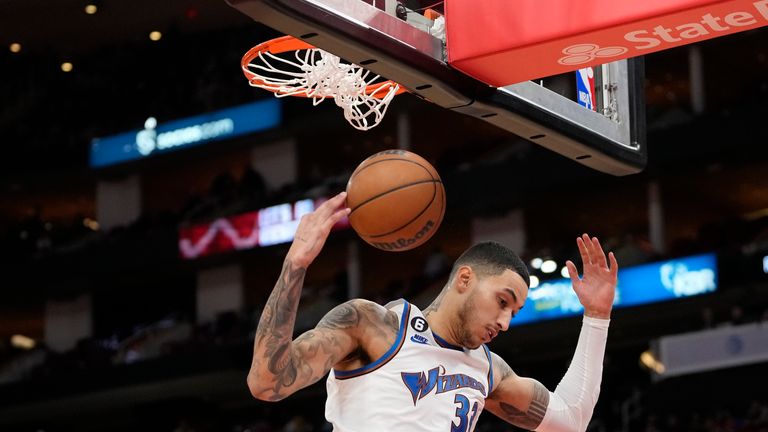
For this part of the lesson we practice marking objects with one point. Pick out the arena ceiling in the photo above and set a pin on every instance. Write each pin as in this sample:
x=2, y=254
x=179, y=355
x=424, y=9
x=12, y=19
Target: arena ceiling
x=63, y=28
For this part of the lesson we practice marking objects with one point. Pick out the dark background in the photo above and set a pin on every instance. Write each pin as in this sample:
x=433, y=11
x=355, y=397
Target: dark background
x=710, y=167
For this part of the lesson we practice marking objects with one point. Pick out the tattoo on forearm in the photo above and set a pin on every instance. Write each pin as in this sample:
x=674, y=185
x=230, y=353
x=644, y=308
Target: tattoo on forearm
x=274, y=334
x=531, y=418
x=280, y=311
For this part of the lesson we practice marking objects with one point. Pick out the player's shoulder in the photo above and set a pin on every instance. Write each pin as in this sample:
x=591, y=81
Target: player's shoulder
x=361, y=304
x=374, y=314
x=500, y=366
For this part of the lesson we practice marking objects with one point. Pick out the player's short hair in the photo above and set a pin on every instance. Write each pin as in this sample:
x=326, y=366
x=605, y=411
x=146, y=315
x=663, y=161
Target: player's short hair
x=491, y=259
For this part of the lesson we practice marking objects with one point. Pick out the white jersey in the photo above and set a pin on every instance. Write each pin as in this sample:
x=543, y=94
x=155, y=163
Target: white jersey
x=421, y=383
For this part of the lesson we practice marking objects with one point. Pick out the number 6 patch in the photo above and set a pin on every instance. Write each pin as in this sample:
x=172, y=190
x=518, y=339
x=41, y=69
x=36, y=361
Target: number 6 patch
x=419, y=324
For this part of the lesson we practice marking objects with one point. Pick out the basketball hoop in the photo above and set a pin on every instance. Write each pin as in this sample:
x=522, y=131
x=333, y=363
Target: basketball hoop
x=317, y=74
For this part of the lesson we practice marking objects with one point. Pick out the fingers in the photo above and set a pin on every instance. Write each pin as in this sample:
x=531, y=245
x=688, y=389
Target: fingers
x=336, y=217
x=591, y=251
x=581, y=242
x=328, y=208
x=573, y=272
x=614, y=268
x=598, y=253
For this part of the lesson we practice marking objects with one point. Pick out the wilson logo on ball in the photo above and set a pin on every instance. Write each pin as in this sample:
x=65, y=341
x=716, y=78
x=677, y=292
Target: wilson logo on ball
x=403, y=243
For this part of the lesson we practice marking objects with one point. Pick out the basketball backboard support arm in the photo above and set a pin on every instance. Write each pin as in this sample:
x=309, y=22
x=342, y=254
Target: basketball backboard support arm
x=362, y=34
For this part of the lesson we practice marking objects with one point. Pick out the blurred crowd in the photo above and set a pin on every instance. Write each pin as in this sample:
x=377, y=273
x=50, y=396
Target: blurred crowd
x=206, y=77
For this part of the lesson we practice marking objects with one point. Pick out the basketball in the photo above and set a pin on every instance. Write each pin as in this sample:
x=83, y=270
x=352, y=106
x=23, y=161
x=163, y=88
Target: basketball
x=397, y=200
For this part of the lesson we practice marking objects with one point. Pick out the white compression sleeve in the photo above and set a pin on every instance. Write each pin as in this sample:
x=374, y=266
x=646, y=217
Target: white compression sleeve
x=571, y=405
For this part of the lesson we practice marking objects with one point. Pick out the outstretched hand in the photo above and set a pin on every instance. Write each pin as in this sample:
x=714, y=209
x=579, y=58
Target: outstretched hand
x=597, y=286
x=313, y=230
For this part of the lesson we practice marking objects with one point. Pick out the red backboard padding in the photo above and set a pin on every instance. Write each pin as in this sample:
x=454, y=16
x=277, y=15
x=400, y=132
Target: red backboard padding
x=502, y=42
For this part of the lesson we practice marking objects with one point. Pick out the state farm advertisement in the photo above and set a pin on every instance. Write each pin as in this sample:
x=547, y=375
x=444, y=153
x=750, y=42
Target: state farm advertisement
x=503, y=42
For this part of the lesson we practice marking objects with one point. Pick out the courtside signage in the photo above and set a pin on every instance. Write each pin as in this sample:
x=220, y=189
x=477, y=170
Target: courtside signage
x=643, y=284
x=765, y=264
x=596, y=32
x=157, y=138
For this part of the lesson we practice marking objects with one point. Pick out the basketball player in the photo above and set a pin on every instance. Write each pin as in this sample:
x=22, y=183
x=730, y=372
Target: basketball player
x=396, y=368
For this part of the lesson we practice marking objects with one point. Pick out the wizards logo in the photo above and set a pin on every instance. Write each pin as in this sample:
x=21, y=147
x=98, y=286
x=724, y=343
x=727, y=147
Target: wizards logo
x=421, y=384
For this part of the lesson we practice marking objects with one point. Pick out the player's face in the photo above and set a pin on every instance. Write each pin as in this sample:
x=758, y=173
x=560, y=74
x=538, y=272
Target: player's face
x=491, y=304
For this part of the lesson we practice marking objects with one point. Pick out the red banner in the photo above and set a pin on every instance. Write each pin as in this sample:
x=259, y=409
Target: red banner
x=265, y=227
x=502, y=42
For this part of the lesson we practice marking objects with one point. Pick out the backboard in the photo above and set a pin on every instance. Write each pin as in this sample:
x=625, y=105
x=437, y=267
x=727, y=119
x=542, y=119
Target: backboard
x=408, y=48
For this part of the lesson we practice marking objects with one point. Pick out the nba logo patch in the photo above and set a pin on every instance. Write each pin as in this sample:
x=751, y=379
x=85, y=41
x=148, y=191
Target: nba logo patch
x=585, y=88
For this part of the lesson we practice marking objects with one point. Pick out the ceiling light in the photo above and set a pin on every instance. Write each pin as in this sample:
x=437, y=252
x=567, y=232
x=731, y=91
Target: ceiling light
x=66, y=67
x=23, y=342
x=548, y=266
x=536, y=263
x=15, y=47
x=91, y=224
x=155, y=35
x=534, y=281
x=650, y=362
x=564, y=272
x=91, y=9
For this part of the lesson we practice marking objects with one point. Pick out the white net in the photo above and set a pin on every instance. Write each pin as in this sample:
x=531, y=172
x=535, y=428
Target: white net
x=319, y=75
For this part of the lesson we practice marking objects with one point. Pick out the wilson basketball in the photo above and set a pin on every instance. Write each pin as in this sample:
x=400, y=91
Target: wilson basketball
x=397, y=200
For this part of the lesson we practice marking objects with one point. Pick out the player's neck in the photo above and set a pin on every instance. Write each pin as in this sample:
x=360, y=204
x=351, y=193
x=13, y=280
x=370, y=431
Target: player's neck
x=441, y=325
x=435, y=303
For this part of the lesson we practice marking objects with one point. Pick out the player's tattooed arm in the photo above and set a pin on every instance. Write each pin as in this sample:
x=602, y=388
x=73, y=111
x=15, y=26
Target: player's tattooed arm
x=281, y=365
x=531, y=417
x=516, y=400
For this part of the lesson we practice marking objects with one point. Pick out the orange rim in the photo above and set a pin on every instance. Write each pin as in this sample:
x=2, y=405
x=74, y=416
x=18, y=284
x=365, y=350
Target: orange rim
x=289, y=43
